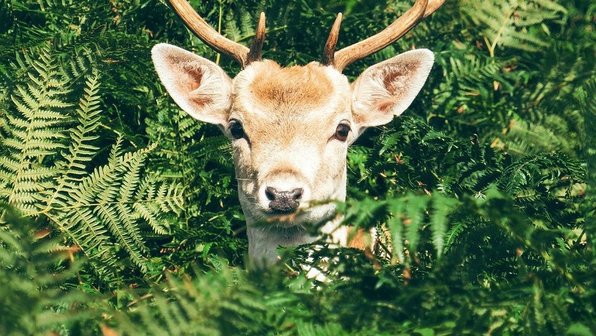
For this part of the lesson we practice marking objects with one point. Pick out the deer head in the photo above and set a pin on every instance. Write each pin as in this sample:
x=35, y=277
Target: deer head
x=290, y=127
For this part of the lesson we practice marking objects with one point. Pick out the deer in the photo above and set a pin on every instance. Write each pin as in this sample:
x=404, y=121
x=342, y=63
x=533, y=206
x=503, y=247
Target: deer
x=290, y=127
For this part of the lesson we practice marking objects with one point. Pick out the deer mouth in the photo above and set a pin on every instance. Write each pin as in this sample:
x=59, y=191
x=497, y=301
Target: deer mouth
x=285, y=218
x=300, y=216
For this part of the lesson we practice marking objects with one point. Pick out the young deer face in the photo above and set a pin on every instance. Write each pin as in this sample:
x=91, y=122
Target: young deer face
x=290, y=127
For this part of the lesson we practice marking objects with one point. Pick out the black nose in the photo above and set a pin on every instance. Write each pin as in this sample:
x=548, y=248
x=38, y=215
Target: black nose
x=283, y=202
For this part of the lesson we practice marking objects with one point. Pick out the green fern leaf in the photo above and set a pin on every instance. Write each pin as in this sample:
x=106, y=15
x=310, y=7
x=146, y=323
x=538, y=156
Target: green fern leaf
x=397, y=211
x=415, y=212
x=34, y=130
x=442, y=206
x=508, y=23
x=45, y=168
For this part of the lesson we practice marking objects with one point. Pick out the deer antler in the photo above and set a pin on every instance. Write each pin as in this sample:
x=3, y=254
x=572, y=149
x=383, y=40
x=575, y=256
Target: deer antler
x=256, y=49
x=348, y=55
x=215, y=40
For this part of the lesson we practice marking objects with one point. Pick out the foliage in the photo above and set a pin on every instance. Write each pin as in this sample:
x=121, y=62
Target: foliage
x=46, y=169
x=119, y=212
x=34, y=274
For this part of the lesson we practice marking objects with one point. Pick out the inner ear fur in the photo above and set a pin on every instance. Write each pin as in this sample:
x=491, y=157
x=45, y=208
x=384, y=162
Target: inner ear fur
x=199, y=86
x=387, y=89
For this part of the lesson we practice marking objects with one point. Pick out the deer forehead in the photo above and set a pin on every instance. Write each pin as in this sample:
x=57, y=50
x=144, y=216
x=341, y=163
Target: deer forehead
x=285, y=102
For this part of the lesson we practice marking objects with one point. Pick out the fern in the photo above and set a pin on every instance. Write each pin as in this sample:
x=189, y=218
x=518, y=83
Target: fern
x=441, y=208
x=33, y=271
x=409, y=216
x=32, y=133
x=508, y=21
x=81, y=150
x=99, y=210
x=307, y=329
x=212, y=303
x=483, y=184
x=397, y=232
x=454, y=233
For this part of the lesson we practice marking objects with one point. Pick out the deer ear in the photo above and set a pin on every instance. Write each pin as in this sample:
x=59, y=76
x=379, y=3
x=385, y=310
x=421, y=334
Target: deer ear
x=199, y=86
x=387, y=89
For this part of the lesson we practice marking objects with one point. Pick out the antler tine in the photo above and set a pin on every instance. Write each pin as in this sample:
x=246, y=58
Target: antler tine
x=256, y=48
x=329, y=52
x=350, y=54
x=209, y=35
x=432, y=7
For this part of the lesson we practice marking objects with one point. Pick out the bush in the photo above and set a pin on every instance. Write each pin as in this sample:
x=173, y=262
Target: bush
x=119, y=212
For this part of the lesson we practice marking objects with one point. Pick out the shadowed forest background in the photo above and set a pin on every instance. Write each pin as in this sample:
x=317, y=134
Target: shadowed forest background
x=119, y=214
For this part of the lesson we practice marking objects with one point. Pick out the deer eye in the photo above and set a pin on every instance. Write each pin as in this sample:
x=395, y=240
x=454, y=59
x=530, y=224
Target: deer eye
x=342, y=131
x=236, y=129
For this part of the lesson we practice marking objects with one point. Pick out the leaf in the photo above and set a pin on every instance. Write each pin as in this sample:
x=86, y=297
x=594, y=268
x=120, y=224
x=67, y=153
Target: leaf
x=415, y=212
x=442, y=207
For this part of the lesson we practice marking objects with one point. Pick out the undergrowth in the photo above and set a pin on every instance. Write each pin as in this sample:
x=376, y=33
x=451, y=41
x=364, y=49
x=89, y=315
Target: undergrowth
x=119, y=213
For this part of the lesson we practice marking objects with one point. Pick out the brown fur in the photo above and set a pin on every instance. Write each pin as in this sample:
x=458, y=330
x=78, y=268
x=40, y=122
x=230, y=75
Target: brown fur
x=359, y=239
x=201, y=101
x=385, y=105
x=287, y=86
x=359, y=119
x=196, y=76
x=283, y=170
x=394, y=84
x=393, y=79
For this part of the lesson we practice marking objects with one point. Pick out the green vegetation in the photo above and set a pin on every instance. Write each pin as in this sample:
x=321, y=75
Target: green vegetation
x=119, y=212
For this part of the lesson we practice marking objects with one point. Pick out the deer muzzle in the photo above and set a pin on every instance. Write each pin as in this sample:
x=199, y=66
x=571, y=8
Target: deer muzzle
x=283, y=202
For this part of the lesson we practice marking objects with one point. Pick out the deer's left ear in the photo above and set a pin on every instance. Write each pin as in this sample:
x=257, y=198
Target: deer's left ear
x=387, y=89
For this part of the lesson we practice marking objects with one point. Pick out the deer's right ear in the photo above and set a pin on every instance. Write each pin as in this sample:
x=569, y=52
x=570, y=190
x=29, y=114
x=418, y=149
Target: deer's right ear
x=199, y=86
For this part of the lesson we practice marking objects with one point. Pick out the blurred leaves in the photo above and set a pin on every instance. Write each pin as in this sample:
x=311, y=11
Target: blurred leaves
x=482, y=188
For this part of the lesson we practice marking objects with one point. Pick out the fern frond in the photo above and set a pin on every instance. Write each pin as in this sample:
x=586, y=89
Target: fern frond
x=309, y=329
x=105, y=192
x=33, y=277
x=397, y=211
x=200, y=305
x=80, y=151
x=46, y=163
x=442, y=206
x=415, y=212
x=508, y=23
x=35, y=130
x=524, y=138
x=82, y=226
x=453, y=234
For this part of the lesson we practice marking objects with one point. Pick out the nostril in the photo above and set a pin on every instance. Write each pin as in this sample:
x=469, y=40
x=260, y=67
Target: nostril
x=297, y=193
x=283, y=202
x=270, y=192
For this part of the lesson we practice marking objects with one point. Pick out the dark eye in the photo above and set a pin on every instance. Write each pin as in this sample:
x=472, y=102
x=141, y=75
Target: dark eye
x=236, y=129
x=342, y=131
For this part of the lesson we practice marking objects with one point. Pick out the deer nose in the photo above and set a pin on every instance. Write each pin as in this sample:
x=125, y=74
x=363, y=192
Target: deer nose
x=283, y=202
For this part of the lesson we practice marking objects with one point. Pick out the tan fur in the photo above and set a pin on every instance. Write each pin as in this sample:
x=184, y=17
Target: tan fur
x=304, y=85
x=358, y=238
x=279, y=106
x=282, y=170
x=289, y=118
